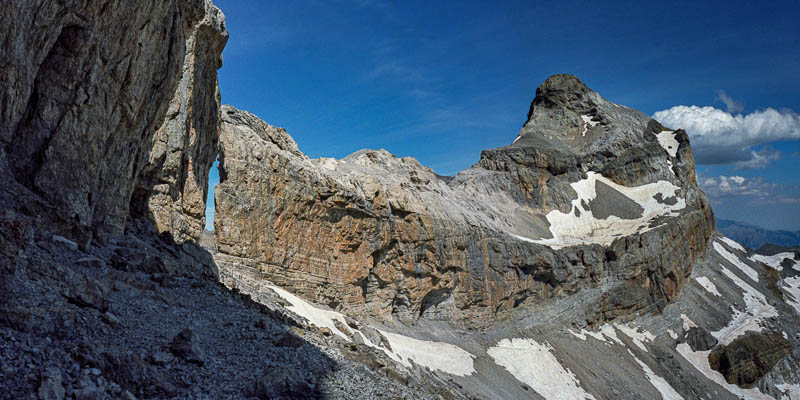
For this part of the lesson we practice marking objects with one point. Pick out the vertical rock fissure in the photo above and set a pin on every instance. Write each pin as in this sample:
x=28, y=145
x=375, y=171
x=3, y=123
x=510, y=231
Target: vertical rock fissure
x=45, y=113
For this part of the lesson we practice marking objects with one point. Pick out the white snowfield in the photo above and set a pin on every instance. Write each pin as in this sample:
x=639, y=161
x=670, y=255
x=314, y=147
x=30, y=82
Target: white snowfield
x=776, y=260
x=756, y=310
x=661, y=384
x=328, y=163
x=708, y=285
x=315, y=316
x=732, y=243
x=791, y=286
x=638, y=336
x=667, y=140
x=588, y=123
x=603, y=334
x=733, y=259
x=439, y=356
x=699, y=359
x=791, y=392
x=570, y=230
x=535, y=365
x=607, y=333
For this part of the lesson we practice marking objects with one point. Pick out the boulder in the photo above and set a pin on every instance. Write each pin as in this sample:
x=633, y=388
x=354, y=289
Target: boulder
x=700, y=339
x=284, y=383
x=87, y=292
x=745, y=360
x=185, y=346
x=50, y=387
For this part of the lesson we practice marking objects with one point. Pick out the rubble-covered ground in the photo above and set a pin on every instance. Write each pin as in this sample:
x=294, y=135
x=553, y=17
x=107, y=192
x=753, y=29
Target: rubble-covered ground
x=144, y=318
x=735, y=308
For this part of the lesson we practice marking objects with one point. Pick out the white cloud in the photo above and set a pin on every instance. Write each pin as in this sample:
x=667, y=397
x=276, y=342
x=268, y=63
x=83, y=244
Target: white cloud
x=731, y=104
x=757, y=190
x=719, y=137
x=760, y=158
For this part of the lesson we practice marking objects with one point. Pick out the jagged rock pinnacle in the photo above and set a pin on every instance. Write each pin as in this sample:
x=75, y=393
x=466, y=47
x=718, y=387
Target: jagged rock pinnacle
x=558, y=90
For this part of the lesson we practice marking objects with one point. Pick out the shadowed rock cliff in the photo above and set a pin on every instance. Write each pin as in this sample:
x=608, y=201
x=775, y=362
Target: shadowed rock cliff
x=85, y=85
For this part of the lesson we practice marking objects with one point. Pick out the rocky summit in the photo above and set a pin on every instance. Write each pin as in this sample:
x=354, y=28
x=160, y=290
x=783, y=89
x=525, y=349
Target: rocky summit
x=580, y=261
x=591, y=197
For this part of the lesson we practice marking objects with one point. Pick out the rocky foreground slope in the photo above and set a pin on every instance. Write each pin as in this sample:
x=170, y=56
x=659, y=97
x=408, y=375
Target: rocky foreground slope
x=580, y=261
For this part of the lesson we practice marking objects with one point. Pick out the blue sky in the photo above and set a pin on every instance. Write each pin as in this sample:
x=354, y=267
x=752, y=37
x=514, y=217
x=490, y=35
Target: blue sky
x=441, y=81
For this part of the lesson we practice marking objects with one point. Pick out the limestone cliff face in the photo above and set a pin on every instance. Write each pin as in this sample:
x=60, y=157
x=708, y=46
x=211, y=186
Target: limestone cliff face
x=593, y=199
x=85, y=85
x=173, y=183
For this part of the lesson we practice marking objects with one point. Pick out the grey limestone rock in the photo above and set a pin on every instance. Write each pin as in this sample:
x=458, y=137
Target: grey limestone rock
x=185, y=346
x=700, y=339
x=50, y=387
x=84, y=86
x=373, y=234
x=173, y=183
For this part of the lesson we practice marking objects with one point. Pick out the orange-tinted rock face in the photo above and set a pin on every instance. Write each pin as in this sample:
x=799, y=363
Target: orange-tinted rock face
x=377, y=235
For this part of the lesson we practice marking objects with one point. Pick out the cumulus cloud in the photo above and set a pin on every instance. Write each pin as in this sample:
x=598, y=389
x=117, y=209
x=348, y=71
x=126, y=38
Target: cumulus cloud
x=755, y=190
x=731, y=104
x=719, y=137
x=724, y=186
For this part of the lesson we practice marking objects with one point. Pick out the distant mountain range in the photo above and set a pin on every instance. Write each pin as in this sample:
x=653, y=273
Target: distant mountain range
x=754, y=237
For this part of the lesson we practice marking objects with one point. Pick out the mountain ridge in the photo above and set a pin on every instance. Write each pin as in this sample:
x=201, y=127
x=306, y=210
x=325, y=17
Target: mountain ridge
x=754, y=236
x=580, y=261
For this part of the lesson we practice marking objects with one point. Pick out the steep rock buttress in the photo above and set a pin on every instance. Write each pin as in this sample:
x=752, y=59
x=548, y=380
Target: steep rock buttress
x=85, y=87
x=592, y=197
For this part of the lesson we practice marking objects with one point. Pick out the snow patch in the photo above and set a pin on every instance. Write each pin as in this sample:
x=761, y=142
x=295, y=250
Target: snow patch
x=672, y=334
x=535, y=365
x=774, y=261
x=588, y=123
x=315, y=316
x=608, y=334
x=699, y=359
x=733, y=244
x=790, y=392
x=605, y=334
x=328, y=163
x=667, y=140
x=756, y=310
x=440, y=356
x=708, y=285
x=570, y=230
x=687, y=323
x=663, y=387
x=638, y=336
x=731, y=258
x=791, y=286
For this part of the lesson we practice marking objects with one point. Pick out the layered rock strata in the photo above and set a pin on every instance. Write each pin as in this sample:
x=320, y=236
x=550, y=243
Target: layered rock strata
x=173, y=184
x=592, y=197
x=84, y=89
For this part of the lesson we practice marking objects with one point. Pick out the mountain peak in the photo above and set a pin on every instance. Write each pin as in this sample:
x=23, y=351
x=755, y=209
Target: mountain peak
x=561, y=83
x=568, y=115
x=558, y=91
